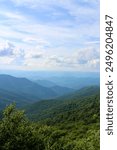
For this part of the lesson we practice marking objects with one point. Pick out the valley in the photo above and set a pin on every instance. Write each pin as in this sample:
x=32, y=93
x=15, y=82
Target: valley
x=44, y=115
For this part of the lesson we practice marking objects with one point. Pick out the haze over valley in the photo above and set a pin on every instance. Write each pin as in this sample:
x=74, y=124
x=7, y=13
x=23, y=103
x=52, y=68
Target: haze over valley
x=26, y=90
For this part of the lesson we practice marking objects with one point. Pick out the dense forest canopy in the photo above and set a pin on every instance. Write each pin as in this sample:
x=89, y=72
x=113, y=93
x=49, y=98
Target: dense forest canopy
x=69, y=124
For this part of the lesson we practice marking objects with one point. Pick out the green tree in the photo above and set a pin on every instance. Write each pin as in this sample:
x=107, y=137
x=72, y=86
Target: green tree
x=17, y=133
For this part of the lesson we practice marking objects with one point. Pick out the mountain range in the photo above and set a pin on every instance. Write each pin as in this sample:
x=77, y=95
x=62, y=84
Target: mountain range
x=74, y=82
x=67, y=122
x=23, y=91
x=61, y=113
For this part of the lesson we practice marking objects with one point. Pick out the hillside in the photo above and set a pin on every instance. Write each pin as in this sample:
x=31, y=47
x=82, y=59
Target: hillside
x=24, y=91
x=8, y=97
x=71, y=123
x=74, y=121
x=45, y=109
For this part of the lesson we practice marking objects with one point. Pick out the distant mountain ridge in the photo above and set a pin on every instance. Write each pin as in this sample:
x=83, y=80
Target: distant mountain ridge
x=22, y=90
x=24, y=86
x=46, y=83
x=75, y=82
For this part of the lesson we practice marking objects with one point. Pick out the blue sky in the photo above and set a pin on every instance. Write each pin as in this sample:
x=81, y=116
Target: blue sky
x=49, y=35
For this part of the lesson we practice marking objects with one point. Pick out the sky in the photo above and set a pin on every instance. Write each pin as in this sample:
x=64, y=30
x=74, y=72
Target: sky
x=49, y=35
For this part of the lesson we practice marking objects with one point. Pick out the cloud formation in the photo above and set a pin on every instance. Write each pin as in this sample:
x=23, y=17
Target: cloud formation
x=6, y=49
x=85, y=58
x=50, y=34
x=10, y=50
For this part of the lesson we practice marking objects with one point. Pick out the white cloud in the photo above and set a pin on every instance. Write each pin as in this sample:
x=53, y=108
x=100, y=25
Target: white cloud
x=40, y=42
x=11, y=15
x=8, y=49
x=34, y=54
x=58, y=33
x=6, y=60
x=87, y=58
x=92, y=43
x=86, y=55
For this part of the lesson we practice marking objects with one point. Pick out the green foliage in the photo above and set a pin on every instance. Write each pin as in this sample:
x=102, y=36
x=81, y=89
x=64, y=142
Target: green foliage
x=68, y=124
x=79, y=101
x=16, y=132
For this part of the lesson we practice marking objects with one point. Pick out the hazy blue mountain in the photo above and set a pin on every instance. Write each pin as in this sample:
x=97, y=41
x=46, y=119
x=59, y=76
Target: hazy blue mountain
x=44, y=75
x=59, y=90
x=25, y=86
x=62, y=90
x=75, y=82
x=23, y=91
x=46, y=83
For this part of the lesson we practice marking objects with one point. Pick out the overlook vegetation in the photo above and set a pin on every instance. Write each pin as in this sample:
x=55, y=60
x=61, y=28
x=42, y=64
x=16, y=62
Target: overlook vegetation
x=66, y=123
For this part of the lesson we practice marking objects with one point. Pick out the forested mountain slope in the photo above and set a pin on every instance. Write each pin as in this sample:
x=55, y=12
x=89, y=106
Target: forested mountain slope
x=45, y=109
x=71, y=123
